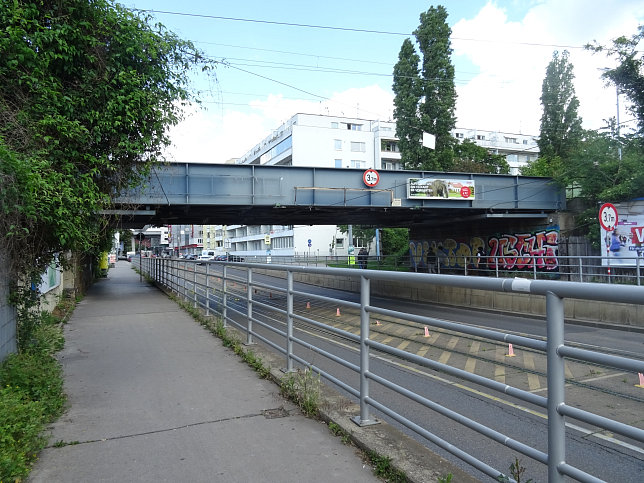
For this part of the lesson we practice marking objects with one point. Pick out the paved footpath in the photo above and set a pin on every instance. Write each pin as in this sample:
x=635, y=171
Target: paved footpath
x=155, y=397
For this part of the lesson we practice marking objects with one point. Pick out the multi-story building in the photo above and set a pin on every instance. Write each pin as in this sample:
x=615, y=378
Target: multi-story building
x=334, y=142
x=518, y=149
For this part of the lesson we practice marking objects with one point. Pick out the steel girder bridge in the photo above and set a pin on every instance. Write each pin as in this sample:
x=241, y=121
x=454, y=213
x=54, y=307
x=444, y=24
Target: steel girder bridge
x=224, y=194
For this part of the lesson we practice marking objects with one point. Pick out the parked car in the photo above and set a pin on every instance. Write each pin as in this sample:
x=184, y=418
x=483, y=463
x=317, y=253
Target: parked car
x=191, y=256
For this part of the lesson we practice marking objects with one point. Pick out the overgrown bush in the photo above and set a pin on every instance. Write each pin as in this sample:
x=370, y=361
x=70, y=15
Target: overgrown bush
x=31, y=396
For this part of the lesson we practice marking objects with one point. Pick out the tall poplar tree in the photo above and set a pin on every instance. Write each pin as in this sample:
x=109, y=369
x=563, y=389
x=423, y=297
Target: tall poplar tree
x=426, y=100
x=561, y=130
x=406, y=101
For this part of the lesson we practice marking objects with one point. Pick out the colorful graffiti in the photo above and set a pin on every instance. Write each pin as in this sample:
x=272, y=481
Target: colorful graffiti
x=519, y=251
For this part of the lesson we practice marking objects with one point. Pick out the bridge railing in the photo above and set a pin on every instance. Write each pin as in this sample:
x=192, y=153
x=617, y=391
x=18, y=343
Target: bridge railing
x=238, y=294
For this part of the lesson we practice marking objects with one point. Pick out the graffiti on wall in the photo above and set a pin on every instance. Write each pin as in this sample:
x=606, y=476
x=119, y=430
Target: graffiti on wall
x=518, y=251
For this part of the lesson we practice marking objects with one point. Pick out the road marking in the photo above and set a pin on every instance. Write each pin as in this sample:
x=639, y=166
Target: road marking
x=484, y=394
x=403, y=344
x=499, y=371
x=422, y=351
x=533, y=379
x=470, y=365
x=446, y=354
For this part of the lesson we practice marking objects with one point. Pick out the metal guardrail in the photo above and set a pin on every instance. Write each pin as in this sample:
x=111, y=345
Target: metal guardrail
x=210, y=287
x=595, y=269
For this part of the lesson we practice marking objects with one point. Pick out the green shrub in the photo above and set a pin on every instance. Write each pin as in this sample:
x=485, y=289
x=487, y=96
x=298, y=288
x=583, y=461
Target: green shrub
x=37, y=377
x=20, y=438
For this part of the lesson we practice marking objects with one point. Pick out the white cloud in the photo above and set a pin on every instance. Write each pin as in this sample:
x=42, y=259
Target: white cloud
x=505, y=94
x=215, y=136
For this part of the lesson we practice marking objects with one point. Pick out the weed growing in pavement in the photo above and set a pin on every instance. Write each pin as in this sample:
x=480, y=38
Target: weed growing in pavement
x=337, y=430
x=445, y=479
x=303, y=388
x=516, y=470
x=383, y=468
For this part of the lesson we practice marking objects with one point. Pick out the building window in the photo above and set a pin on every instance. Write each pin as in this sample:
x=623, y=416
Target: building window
x=480, y=137
x=338, y=163
x=358, y=147
x=510, y=140
x=356, y=163
x=354, y=127
x=338, y=144
x=525, y=141
x=459, y=135
x=339, y=242
x=334, y=125
x=389, y=146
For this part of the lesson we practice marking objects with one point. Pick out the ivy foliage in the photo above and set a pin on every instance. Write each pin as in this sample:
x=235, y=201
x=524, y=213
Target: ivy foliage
x=88, y=91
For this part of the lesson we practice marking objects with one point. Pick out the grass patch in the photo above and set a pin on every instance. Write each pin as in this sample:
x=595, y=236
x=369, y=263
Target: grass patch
x=383, y=468
x=31, y=395
x=303, y=388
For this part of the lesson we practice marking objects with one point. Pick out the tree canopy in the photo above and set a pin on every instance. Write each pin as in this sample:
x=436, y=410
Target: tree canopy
x=425, y=101
x=88, y=91
x=560, y=131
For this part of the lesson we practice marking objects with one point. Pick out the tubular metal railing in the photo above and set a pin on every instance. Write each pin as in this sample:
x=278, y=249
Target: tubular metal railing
x=220, y=290
x=595, y=269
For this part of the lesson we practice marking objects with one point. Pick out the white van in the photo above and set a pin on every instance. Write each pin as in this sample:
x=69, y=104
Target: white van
x=207, y=255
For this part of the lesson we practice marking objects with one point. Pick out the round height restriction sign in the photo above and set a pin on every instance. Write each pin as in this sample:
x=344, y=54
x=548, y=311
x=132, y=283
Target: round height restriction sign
x=608, y=216
x=371, y=177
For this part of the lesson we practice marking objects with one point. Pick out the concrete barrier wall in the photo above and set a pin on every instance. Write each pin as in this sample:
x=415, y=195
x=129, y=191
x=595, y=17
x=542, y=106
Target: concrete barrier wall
x=580, y=310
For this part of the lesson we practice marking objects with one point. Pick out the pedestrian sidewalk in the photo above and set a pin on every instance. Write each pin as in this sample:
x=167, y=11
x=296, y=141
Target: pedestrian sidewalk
x=155, y=397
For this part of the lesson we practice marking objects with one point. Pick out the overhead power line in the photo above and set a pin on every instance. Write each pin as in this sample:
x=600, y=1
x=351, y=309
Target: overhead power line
x=346, y=29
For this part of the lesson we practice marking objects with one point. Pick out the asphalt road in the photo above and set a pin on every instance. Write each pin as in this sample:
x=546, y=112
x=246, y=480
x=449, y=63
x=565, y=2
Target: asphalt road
x=603, y=391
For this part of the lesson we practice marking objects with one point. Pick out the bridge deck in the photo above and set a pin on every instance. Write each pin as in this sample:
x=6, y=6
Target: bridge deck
x=253, y=194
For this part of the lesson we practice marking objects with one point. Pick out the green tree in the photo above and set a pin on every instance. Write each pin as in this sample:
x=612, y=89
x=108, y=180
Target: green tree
x=628, y=76
x=394, y=241
x=561, y=131
x=88, y=91
x=425, y=101
x=407, y=91
x=469, y=157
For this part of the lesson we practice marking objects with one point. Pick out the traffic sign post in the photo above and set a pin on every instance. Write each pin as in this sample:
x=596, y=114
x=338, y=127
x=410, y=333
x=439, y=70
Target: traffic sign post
x=371, y=177
x=608, y=219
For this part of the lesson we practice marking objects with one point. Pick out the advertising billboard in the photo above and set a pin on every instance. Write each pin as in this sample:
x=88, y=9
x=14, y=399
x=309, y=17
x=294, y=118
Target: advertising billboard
x=440, y=189
x=625, y=243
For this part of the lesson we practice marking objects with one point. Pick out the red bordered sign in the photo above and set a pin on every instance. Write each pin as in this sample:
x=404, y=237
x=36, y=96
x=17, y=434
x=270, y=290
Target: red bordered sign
x=371, y=177
x=608, y=216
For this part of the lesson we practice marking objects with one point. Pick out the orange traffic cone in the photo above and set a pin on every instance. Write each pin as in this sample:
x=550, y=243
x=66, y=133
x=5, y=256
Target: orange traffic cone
x=510, y=351
x=426, y=331
x=308, y=305
x=378, y=322
x=641, y=384
x=337, y=313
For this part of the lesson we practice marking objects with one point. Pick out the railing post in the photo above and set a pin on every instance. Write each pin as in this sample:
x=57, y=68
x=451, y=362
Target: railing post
x=534, y=266
x=289, y=321
x=249, y=311
x=556, y=383
x=638, y=269
x=224, y=296
x=363, y=419
x=581, y=270
x=194, y=283
x=207, y=289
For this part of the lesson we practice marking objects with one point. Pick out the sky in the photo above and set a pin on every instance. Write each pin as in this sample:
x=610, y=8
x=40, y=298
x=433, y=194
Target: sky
x=334, y=57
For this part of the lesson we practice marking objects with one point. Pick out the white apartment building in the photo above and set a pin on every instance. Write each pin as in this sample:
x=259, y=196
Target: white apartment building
x=334, y=142
x=518, y=149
